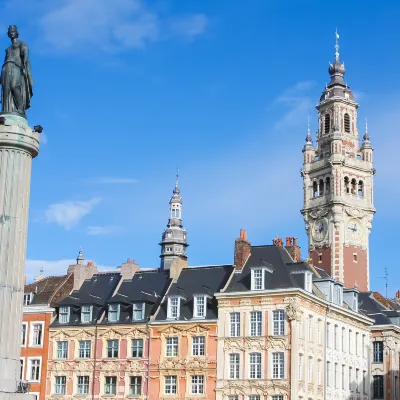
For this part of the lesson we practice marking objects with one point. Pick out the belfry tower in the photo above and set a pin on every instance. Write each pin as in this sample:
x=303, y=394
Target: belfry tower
x=338, y=185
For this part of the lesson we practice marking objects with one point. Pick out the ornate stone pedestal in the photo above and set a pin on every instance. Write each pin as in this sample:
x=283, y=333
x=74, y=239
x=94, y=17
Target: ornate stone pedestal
x=18, y=145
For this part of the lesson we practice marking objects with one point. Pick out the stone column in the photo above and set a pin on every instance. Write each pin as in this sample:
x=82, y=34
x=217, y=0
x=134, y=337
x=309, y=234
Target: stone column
x=18, y=145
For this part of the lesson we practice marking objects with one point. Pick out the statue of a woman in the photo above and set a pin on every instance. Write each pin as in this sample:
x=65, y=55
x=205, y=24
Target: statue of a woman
x=16, y=79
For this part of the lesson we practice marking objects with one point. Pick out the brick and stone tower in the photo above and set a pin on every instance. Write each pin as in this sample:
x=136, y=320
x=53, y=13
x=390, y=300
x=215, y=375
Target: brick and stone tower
x=173, y=243
x=338, y=185
x=18, y=145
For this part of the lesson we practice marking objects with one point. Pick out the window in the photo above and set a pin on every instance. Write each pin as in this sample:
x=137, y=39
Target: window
x=255, y=323
x=279, y=322
x=350, y=378
x=328, y=185
x=319, y=257
x=173, y=307
x=360, y=188
x=64, y=315
x=378, y=352
x=62, y=349
x=336, y=372
x=60, y=384
x=308, y=281
x=277, y=397
x=198, y=346
x=83, y=384
x=84, y=348
x=350, y=348
x=21, y=370
x=137, y=348
x=364, y=384
x=112, y=348
x=197, y=384
x=353, y=186
x=328, y=373
x=300, y=371
x=235, y=324
x=172, y=347
x=357, y=380
x=254, y=397
x=357, y=342
x=110, y=385
x=138, y=312
x=343, y=375
x=378, y=387
x=86, y=314
x=278, y=365
x=315, y=189
x=343, y=339
x=319, y=337
x=257, y=279
x=199, y=306
x=346, y=185
x=309, y=374
x=28, y=298
x=346, y=123
x=135, y=385
x=37, y=334
x=327, y=123
x=233, y=397
x=363, y=345
x=321, y=186
x=175, y=211
x=336, y=338
x=310, y=327
x=300, y=328
x=255, y=365
x=234, y=366
x=23, y=334
x=113, y=312
x=328, y=334
x=319, y=372
x=170, y=384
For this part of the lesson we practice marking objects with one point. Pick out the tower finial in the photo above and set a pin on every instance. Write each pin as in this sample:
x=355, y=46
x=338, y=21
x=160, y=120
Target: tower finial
x=366, y=136
x=177, y=177
x=308, y=138
x=337, y=46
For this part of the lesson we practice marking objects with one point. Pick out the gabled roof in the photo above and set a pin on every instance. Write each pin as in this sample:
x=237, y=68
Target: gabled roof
x=370, y=303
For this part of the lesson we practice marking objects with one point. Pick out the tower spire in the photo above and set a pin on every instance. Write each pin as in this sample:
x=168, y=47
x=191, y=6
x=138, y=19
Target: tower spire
x=80, y=260
x=337, y=45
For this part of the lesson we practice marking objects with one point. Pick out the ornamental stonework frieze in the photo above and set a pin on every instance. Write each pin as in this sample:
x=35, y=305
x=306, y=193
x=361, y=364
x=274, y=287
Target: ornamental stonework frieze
x=195, y=397
x=82, y=334
x=245, y=302
x=320, y=390
x=310, y=388
x=319, y=212
x=266, y=300
x=355, y=212
x=252, y=343
x=278, y=343
x=112, y=333
x=170, y=364
x=60, y=334
x=234, y=344
x=132, y=366
x=224, y=303
x=111, y=366
x=57, y=366
x=84, y=366
x=255, y=387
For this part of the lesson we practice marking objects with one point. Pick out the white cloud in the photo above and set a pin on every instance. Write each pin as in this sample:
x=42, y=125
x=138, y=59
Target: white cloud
x=111, y=26
x=100, y=230
x=115, y=180
x=69, y=213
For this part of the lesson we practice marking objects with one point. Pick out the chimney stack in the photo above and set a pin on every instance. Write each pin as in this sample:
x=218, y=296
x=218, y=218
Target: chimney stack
x=278, y=242
x=288, y=241
x=242, y=250
x=293, y=249
x=398, y=294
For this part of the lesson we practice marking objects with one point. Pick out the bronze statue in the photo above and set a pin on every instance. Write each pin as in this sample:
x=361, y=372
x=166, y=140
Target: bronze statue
x=16, y=78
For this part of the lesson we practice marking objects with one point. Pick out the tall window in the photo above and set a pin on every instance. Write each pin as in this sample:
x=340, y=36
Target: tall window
x=343, y=339
x=197, y=384
x=309, y=373
x=60, y=384
x=110, y=385
x=37, y=335
x=360, y=188
x=328, y=334
x=350, y=378
x=277, y=397
x=198, y=346
x=279, y=322
x=300, y=367
x=319, y=372
x=113, y=312
x=357, y=342
x=321, y=187
x=28, y=298
x=255, y=323
x=172, y=347
x=170, y=384
x=137, y=348
x=255, y=365
x=319, y=336
x=254, y=397
x=86, y=314
x=278, y=365
x=235, y=324
x=300, y=325
x=257, y=279
x=199, y=306
x=343, y=375
x=346, y=184
x=357, y=380
x=310, y=327
x=328, y=373
x=112, y=348
x=138, y=312
x=336, y=375
x=173, y=307
x=234, y=365
x=378, y=352
x=350, y=343
x=34, y=369
x=83, y=384
x=315, y=189
x=336, y=340
x=346, y=123
x=353, y=186
x=363, y=345
x=327, y=123
x=63, y=315
x=135, y=385
x=308, y=281
x=23, y=335
x=378, y=387
x=84, y=348
x=364, y=384
x=328, y=185
x=62, y=349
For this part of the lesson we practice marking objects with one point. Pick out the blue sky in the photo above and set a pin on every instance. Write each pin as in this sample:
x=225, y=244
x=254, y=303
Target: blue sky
x=127, y=90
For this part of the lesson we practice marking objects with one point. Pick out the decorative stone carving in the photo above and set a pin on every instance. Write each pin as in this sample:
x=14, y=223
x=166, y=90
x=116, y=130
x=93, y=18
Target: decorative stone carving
x=319, y=212
x=245, y=302
x=275, y=342
x=355, y=212
x=224, y=303
x=293, y=311
x=233, y=344
x=266, y=300
x=255, y=387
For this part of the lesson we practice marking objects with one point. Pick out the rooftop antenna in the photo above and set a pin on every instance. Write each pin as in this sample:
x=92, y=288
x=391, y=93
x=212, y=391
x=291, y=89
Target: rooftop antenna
x=386, y=278
x=337, y=46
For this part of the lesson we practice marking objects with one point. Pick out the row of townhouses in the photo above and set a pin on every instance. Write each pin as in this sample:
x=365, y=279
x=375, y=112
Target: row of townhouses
x=270, y=326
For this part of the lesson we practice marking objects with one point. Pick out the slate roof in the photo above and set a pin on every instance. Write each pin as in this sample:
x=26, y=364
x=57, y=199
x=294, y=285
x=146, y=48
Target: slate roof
x=376, y=310
x=50, y=290
x=193, y=281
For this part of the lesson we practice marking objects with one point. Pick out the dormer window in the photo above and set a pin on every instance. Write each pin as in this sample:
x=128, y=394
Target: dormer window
x=308, y=281
x=28, y=297
x=63, y=315
x=138, y=312
x=86, y=314
x=113, y=312
x=173, y=307
x=200, y=306
x=258, y=278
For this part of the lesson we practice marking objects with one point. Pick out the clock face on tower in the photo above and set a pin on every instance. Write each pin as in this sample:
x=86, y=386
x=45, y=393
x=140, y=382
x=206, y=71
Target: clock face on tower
x=354, y=229
x=320, y=229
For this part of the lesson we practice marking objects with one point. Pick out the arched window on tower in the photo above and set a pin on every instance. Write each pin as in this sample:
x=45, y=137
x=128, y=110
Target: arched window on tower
x=328, y=185
x=347, y=123
x=327, y=123
x=346, y=185
x=315, y=189
x=361, y=188
x=353, y=186
x=175, y=212
x=321, y=187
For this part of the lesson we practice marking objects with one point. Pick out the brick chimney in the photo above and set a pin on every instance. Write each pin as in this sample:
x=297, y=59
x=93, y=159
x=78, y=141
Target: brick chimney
x=277, y=242
x=242, y=250
x=398, y=294
x=293, y=249
x=81, y=273
x=128, y=269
